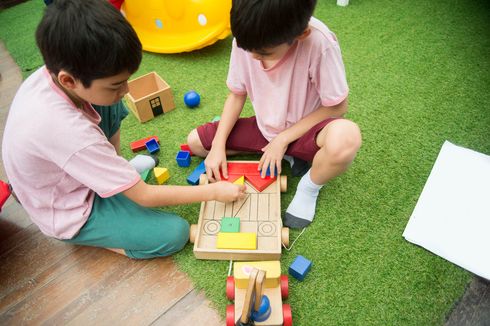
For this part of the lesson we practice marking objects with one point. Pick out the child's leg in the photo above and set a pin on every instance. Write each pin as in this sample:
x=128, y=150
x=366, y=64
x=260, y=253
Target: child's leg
x=338, y=143
x=119, y=223
x=245, y=137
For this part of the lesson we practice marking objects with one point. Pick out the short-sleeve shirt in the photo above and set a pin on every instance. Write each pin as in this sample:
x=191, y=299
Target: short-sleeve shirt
x=311, y=74
x=56, y=157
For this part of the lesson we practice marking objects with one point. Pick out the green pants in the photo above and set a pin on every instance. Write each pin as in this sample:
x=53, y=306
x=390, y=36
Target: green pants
x=117, y=222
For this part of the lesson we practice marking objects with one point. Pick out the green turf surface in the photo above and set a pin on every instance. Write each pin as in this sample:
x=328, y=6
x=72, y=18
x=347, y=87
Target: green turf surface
x=419, y=74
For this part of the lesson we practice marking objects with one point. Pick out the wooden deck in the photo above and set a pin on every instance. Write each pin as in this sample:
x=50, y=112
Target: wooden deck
x=45, y=281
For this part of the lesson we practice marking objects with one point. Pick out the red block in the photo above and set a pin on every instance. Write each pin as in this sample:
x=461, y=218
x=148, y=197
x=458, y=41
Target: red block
x=251, y=173
x=140, y=144
x=185, y=147
x=4, y=193
x=258, y=183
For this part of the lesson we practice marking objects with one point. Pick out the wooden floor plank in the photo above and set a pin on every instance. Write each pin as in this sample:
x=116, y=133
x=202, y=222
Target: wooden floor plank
x=141, y=298
x=93, y=268
x=31, y=257
x=191, y=310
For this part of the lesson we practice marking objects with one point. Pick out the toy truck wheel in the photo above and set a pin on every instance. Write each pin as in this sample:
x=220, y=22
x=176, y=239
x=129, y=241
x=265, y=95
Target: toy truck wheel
x=192, y=233
x=203, y=179
x=285, y=236
x=284, y=183
x=230, y=315
x=284, y=286
x=287, y=315
x=230, y=288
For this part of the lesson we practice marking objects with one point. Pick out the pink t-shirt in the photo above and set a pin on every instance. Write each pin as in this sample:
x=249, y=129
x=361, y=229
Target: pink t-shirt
x=56, y=157
x=310, y=75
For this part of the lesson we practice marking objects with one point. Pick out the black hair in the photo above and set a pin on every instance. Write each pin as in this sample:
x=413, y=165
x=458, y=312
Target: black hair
x=89, y=39
x=259, y=24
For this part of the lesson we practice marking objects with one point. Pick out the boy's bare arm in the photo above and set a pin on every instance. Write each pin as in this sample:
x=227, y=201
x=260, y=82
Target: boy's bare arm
x=216, y=158
x=156, y=196
x=301, y=127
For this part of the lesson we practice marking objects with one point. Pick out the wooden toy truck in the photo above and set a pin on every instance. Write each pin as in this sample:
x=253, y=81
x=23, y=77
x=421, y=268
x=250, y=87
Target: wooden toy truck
x=259, y=215
x=258, y=289
x=149, y=96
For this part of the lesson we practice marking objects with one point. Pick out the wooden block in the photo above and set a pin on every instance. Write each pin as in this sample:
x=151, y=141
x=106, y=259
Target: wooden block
x=243, y=168
x=139, y=145
x=258, y=183
x=300, y=267
x=241, y=272
x=231, y=177
x=193, y=179
x=152, y=146
x=144, y=175
x=241, y=240
x=161, y=174
x=185, y=147
x=183, y=158
x=230, y=224
x=240, y=181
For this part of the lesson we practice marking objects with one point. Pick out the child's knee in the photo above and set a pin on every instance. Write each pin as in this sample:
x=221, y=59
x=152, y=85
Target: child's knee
x=180, y=234
x=343, y=142
x=195, y=144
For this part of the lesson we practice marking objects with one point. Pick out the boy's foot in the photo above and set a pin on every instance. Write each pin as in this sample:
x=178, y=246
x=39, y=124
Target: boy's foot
x=301, y=210
x=298, y=166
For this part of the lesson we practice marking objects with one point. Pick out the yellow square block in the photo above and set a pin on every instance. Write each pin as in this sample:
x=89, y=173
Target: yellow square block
x=241, y=272
x=237, y=240
x=161, y=174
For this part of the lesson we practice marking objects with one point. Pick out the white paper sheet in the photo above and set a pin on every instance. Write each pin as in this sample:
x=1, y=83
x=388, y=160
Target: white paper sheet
x=452, y=216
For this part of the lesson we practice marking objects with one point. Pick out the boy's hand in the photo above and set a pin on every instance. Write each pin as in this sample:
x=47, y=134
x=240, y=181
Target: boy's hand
x=215, y=161
x=272, y=157
x=226, y=191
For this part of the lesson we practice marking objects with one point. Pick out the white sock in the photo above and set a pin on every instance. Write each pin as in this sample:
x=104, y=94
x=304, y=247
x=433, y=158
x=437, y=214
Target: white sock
x=301, y=210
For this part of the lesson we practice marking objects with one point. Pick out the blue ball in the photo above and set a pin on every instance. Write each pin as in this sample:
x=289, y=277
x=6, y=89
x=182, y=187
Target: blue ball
x=192, y=99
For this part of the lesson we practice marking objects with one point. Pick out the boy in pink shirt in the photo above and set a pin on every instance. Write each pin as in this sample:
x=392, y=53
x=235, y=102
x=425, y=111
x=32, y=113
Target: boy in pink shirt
x=290, y=66
x=61, y=152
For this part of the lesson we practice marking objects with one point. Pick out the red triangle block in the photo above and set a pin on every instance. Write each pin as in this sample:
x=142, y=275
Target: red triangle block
x=258, y=183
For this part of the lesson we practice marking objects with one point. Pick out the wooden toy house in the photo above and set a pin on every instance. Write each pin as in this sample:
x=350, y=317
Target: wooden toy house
x=149, y=96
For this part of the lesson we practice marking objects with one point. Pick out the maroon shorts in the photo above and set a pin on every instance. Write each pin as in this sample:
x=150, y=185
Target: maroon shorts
x=246, y=137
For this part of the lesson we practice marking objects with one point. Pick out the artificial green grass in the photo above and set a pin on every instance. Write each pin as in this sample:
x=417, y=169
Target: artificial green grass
x=419, y=73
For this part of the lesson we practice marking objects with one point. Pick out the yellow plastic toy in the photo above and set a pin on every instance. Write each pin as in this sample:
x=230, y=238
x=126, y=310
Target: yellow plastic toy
x=174, y=26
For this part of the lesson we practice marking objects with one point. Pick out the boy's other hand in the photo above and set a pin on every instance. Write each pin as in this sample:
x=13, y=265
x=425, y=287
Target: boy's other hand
x=227, y=191
x=272, y=157
x=214, y=162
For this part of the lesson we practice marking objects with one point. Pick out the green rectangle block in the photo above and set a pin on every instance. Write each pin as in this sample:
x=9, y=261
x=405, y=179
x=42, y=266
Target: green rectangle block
x=230, y=224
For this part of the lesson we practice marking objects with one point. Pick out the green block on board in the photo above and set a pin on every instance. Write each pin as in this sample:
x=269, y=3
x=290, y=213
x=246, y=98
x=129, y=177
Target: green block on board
x=144, y=175
x=216, y=118
x=230, y=224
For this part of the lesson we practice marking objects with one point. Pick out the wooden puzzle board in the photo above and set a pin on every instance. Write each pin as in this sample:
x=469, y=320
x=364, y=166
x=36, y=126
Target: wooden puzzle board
x=259, y=212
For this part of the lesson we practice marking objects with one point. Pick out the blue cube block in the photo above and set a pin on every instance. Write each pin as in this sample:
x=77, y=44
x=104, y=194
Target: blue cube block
x=300, y=267
x=193, y=179
x=152, y=146
x=183, y=158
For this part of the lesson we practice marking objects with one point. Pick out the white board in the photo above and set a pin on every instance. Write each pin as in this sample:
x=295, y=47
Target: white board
x=452, y=216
